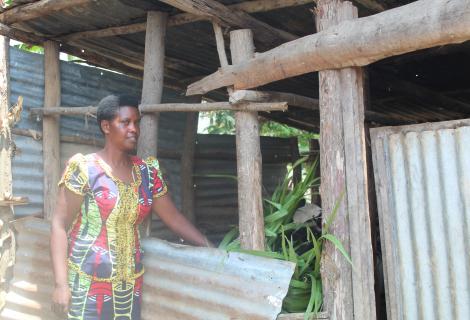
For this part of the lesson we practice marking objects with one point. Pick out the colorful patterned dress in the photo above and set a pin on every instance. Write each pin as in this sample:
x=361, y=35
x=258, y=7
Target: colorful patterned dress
x=105, y=258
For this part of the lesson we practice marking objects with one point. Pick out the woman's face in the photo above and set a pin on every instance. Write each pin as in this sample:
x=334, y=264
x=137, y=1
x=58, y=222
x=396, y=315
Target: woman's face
x=123, y=131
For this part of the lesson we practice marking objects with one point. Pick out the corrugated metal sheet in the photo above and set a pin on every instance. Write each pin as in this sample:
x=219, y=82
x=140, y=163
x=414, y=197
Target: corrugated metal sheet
x=210, y=284
x=422, y=177
x=216, y=198
x=29, y=296
x=180, y=282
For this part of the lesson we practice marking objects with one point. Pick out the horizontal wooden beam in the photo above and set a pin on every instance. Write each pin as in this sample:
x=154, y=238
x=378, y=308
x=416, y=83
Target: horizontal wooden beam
x=26, y=37
x=213, y=106
x=167, y=107
x=36, y=9
x=359, y=42
x=294, y=100
x=184, y=18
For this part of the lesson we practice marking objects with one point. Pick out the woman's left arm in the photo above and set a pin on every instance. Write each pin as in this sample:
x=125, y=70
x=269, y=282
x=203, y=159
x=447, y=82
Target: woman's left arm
x=165, y=208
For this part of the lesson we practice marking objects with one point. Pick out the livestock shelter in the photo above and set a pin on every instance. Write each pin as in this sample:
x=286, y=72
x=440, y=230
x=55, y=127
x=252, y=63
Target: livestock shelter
x=330, y=67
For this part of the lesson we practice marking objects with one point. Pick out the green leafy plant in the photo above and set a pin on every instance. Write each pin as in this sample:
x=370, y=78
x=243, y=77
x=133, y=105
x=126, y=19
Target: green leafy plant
x=295, y=242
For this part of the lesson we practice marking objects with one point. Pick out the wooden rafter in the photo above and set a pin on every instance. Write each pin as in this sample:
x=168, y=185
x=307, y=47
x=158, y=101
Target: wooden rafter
x=418, y=25
x=20, y=35
x=184, y=18
x=265, y=34
x=36, y=9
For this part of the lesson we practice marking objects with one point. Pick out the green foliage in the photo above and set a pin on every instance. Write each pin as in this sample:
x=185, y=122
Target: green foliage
x=283, y=241
x=30, y=48
x=223, y=122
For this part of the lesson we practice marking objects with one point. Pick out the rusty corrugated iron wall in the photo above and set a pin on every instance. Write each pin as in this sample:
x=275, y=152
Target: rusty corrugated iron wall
x=180, y=282
x=422, y=175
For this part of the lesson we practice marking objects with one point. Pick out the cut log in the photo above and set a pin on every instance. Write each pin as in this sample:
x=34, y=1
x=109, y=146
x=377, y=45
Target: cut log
x=418, y=25
x=249, y=163
x=184, y=18
x=37, y=9
x=50, y=127
x=266, y=35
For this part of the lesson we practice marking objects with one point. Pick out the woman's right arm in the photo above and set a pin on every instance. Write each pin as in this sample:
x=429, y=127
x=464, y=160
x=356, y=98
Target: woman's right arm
x=67, y=207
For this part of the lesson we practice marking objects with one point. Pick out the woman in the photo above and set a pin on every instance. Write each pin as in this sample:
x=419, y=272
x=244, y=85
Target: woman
x=103, y=197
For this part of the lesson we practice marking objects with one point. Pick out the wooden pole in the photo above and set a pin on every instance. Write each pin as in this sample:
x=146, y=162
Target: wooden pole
x=347, y=294
x=187, y=166
x=184, y=18
x=152, y=89
x=249, y=164
x=51, y=127
x=6, y=212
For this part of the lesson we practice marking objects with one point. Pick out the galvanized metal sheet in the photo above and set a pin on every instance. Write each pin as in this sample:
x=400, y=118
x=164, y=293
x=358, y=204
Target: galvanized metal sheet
x=184, y=282
x=180, y=282
x=422, y=177
x=29, y=295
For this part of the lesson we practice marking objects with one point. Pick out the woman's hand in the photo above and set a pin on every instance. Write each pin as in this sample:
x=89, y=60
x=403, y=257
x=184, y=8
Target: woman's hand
x=61, y=300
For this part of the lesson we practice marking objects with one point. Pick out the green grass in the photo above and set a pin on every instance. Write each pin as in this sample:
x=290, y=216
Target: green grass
x=305, y=289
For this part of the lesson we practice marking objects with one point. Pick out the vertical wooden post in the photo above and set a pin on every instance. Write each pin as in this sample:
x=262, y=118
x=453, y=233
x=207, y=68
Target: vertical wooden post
x=152, y=89
x=6, y=213
x=347, y=294
x=295, y=154
x=250, y=206
x=187, y=166
x=51, y=127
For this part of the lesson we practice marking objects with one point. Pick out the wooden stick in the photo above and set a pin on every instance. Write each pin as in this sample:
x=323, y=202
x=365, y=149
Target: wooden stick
x=249, y=163
x=37, y=9
x=295, y=100
x=184, y=18
x=267, y=35
x=418, y=25
x=168, y=107
x=50, y=131
x=214, y=106
x=219, y=40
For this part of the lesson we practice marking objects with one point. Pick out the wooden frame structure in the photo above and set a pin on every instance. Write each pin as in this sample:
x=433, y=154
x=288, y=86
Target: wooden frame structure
x=349, y=294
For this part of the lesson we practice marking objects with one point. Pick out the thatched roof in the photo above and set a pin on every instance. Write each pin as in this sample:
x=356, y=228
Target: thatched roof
x=431, y=85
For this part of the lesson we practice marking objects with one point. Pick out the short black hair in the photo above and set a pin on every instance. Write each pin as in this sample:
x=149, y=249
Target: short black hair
x=109, y=106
